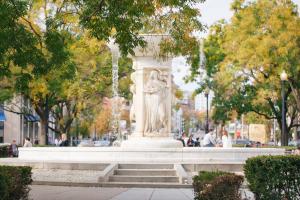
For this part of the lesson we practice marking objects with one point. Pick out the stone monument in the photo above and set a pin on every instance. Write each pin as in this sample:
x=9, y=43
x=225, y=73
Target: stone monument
x=152, y=140
x=151, y=88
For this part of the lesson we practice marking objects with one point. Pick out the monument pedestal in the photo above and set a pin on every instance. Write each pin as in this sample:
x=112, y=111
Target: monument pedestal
x=151, y=142
x=137, y=154
x=152, y=97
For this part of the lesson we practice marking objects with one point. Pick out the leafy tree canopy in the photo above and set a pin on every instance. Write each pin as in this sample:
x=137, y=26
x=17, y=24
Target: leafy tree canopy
x=244, y=59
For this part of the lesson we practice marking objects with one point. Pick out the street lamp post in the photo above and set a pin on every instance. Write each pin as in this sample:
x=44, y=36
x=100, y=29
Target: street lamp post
x=206, y=93
x=284, y=138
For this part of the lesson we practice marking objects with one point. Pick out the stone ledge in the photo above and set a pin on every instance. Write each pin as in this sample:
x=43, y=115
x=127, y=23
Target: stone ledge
x=114, y=184
x=144, y=155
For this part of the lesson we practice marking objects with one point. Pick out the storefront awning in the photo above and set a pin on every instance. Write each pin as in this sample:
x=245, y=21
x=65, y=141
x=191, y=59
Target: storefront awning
x=2, y=116
x=32, y=118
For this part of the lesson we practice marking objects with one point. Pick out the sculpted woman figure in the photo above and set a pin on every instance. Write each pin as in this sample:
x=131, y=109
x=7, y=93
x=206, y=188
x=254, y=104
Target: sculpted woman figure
x=155, y=106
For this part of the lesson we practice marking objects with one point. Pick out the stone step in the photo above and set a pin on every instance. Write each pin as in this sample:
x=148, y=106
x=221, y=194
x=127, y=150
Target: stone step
x=114, y=184
x=146, y=166
x=151, y=179
x=145, y=185
x=145, y=172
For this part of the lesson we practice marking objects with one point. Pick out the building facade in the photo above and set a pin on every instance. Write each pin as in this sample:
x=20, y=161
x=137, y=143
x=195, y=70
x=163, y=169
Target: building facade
x=200, y=102
x=2, y=120
x=15, y=126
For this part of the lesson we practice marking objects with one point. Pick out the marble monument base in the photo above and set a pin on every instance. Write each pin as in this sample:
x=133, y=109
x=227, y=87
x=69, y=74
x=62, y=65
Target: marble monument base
x=151, y=142
x=191, y=155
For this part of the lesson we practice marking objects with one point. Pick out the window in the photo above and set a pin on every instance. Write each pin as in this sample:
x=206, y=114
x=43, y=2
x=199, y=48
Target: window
x=1, y=131
x=2, y=119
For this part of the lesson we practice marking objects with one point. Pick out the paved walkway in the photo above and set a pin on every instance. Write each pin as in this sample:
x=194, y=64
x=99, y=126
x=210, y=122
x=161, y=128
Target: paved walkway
x=39, y=192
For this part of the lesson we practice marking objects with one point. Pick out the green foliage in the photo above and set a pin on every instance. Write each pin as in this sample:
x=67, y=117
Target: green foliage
x=35, y=56
x=126, y=20
x=4, y=151
x=14, y=182
x=254, y=118
x=287, y=148
x=217, y=185
x=3, y=187
x=274, y=177
x=244, y=59
x=208, y=176
x=23, y=48
x=48, y=58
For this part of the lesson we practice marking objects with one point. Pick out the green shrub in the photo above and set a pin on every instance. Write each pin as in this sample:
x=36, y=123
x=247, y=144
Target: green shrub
x=4, y=151
x=14, y=182
x=274, y=177
x=217, y=185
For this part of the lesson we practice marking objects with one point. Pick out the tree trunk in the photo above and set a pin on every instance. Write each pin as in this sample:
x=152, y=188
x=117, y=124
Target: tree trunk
x=43, y=113
x=43, y=132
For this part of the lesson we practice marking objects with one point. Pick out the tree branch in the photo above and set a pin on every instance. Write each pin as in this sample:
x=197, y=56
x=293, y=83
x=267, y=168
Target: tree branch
x=97, y=9
x=273, y=108
x=295, y=125
x=295, y=93
x=34, y=31
x=58, y=10
x=29, y=23
x=22, y=109
x=263, y=114
x=53, y=129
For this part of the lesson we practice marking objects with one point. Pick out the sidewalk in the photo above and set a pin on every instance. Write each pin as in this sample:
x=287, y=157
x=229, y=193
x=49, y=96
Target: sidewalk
x=39, y=192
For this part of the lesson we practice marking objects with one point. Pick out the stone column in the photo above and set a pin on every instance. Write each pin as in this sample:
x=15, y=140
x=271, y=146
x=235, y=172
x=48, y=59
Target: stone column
x=143, y=67
x=139, y=103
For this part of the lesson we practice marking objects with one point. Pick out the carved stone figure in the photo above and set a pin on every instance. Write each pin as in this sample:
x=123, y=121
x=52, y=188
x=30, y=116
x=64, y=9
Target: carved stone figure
x=133, y=91
x=155, y=103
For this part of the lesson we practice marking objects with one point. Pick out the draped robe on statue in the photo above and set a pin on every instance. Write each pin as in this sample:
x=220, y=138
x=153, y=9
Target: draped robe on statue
x=155, y=113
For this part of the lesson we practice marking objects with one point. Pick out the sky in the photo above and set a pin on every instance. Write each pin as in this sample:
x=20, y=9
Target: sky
x=211, y=11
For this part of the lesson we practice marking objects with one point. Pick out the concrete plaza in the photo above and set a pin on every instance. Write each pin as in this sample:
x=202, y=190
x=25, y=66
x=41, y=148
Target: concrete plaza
x=45, y=192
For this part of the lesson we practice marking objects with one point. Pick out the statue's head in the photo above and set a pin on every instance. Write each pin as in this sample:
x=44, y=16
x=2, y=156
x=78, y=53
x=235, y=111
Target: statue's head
x=153, y=75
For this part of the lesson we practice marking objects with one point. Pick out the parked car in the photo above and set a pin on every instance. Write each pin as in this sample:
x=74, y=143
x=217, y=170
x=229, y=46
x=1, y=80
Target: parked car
x=244, y=142
x=86, y=143
x=271, y=144
x=102, y=143
x=294, y=143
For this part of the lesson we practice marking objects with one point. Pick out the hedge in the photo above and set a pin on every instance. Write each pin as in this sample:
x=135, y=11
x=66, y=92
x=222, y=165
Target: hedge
x=217, y=185
x=4, y=151
x=274, y=177
x=14, y=182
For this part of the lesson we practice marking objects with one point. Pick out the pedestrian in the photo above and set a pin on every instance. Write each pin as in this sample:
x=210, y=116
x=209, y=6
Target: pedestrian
x=181, y=139
x=185, y=138
x=64, y=140
x=297, y=151
x=190, y=142
x=208, y=140
x=13, y=149
x=197, y=142
x=36, y=141
x=57, y=141
x=226, y=140
x=27, y=142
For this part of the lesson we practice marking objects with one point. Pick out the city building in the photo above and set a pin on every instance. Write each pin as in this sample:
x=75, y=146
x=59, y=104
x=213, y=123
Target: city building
x=15, y=125
x=177, y=119
x=200, y=101
x=2, y=120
